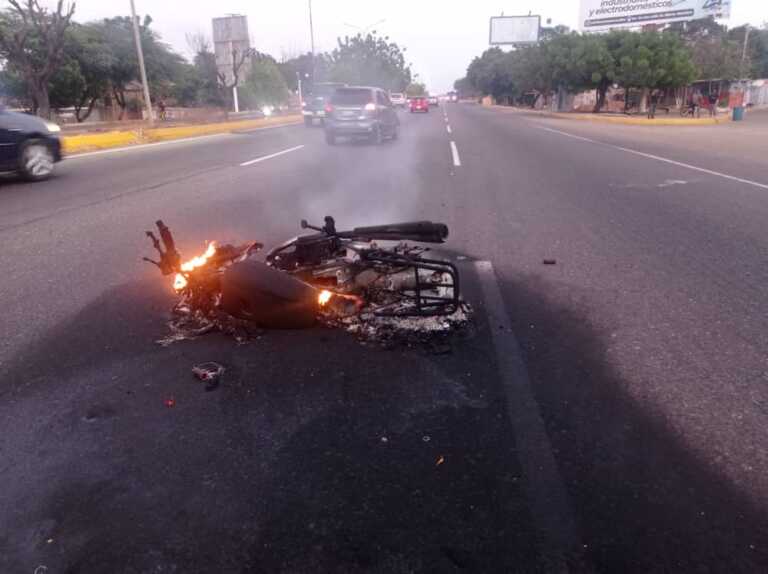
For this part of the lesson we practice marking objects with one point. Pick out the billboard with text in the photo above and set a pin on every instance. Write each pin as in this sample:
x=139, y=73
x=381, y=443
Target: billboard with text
x=607, y=14
x=515, y=30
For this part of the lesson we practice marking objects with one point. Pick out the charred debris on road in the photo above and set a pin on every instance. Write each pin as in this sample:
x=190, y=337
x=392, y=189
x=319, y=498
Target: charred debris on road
x=387, y=295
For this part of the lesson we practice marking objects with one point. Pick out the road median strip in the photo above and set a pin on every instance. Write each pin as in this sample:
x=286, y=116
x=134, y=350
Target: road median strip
x=126, y=138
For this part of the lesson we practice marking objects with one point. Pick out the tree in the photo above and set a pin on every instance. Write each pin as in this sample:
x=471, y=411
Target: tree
x=370, y=60
x=31, y=43
x=650, y=60
x=167, y=72
x=464, y=88
x=494, y=74
x=758, y=52
x=228, y=82
x=208, y=90
x=416, y=89
x=83, y=75
x=265, y=85
x=300, y=66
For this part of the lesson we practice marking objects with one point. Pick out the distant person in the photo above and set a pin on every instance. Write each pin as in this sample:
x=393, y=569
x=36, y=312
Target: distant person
x=695, y=104
x=161, y=109
x=655, y=97
x=713, y=104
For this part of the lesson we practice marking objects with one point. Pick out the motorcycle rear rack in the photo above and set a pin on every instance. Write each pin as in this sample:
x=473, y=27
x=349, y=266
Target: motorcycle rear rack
x=424, y=301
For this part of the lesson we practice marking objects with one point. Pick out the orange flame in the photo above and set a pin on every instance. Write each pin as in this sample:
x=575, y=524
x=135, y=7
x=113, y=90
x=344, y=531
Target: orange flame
x=324, y=298
x=180, y=282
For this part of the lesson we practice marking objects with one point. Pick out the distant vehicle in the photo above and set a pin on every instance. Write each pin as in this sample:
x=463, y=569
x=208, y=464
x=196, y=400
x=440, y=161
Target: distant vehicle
x=313, y=107
x=419, y=104
x=28, y=145
x=360, y=111
x=433, y=101
x=453, y=97
x=398, y=100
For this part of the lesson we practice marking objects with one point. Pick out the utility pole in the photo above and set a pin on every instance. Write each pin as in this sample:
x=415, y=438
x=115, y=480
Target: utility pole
x=142, y=68
x=747, y=29
x=312, y=39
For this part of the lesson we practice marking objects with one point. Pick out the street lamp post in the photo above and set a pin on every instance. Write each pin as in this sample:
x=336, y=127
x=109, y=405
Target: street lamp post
x=142, y=68
x=301, y=97
x=312, y=39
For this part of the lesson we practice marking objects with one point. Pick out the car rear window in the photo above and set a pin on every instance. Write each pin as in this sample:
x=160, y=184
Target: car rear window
x=324, y=90
x=353, y=97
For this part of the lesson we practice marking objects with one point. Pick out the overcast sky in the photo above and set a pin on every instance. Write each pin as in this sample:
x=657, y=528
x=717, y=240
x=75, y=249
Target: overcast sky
x=441, y=36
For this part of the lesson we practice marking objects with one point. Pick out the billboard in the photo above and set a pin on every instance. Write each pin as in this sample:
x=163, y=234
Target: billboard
x=230, y=34
x=515, y=30
x=605, y=14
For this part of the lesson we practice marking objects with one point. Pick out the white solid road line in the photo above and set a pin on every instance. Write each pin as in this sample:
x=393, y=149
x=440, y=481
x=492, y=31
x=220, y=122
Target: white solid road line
x=172, y=142
x=663, y=159
x=271, y=156
x=546, y=493
x=455, y=152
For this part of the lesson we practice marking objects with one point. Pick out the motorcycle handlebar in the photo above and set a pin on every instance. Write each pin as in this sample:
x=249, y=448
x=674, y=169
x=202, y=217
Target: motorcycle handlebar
x=421, y=231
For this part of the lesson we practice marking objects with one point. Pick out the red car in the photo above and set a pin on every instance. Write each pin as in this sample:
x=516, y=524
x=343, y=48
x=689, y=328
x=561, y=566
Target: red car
x=419, y=104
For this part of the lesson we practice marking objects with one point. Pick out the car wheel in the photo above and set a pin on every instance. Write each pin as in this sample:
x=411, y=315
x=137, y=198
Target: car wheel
x=377, y=137
x=330, y=138
x=308, y=121
x=36, y=160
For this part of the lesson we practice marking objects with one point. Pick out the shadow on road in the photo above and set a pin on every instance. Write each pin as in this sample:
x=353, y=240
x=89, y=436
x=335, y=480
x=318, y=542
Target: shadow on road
x=645, y=502
x=316, y=454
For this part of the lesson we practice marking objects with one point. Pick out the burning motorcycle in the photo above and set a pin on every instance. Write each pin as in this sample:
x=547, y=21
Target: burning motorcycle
x=366, y=278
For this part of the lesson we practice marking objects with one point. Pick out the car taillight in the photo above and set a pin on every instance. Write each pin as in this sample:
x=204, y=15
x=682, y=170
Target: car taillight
x=370, y=107
x=328, y=109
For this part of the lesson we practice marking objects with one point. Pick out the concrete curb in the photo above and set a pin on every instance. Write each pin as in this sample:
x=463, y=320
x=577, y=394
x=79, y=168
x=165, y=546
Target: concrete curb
x=96, y=142
x=628, y=121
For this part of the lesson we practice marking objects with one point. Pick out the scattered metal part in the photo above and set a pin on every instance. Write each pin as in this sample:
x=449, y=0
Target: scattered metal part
x=440, y=461
x=550, y=262
x=210, y=373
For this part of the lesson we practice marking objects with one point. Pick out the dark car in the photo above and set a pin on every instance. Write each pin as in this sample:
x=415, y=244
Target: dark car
x=28, y=145
x=313, y=107
x=360, y=112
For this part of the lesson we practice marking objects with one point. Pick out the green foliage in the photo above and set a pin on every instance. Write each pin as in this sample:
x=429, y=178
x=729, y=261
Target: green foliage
x=464, y=88
x=32, y=40
x=570, y=61
x=369, y=60
x=265, y=84
x=166, y=70
x=416, y=89
x=718, y=52
x=758, y=52
x=292, y=69
x=83, y=76
x=653, y=60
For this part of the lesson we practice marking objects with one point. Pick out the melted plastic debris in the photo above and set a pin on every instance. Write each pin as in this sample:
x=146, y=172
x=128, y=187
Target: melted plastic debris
x=391, y=331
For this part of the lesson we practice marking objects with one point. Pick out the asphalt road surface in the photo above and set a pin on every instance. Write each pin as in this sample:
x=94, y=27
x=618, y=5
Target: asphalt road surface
x=606, y=413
